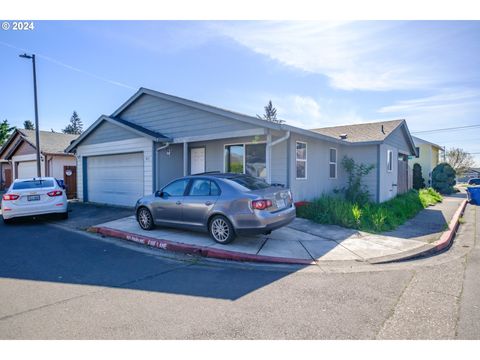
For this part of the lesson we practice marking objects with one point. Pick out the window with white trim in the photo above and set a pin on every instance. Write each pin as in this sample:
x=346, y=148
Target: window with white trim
x=333, y=163
x=389, y=160
x=301, y=160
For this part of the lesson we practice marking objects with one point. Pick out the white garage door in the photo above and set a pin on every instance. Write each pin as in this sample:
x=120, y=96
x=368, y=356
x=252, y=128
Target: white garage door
x=27, y=169
x=115, y=179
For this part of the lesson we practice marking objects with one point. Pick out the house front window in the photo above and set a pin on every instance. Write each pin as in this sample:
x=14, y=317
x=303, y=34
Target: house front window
x=301, y=160
x=234, y=159
x=389, y=160
x=333, y=163
x=248, y=159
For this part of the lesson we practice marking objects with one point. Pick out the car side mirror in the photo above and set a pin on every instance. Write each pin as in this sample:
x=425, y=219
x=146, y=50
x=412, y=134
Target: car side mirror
x=160, y=194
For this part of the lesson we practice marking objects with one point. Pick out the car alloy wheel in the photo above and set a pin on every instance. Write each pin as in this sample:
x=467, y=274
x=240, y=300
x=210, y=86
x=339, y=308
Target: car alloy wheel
x=145, y=219
x=221, y=230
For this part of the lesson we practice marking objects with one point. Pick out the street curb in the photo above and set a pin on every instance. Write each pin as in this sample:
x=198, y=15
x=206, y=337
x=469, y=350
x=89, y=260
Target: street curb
x=428, y=249
x=196, y=250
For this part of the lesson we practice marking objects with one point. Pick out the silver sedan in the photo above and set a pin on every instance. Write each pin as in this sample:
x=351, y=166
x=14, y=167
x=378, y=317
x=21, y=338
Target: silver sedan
x=223, y=204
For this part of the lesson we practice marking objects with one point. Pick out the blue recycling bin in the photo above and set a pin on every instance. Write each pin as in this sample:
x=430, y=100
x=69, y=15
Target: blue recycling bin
x=474, y=194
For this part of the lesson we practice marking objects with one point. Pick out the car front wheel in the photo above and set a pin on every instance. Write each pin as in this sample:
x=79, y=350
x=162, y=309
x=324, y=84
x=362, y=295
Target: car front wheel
x=221, y=230
x=145, y=219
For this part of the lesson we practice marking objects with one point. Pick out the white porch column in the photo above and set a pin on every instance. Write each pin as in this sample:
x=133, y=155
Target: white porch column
x=268, y=156
x=185, y=158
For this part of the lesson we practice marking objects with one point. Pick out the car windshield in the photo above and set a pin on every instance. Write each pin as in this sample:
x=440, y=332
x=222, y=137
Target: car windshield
x=250, y=182
x=33, y=184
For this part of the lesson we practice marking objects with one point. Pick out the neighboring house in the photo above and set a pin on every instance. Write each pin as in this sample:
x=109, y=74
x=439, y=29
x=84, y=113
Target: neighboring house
x=18, y=156
x=471, y=173
x=154, y=138
x=428, y=156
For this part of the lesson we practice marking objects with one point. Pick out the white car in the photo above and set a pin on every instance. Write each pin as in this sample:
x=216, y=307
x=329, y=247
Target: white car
x=37, y=196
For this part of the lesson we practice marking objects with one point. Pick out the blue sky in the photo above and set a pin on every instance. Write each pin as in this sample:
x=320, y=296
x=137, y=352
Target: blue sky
x=316, y=73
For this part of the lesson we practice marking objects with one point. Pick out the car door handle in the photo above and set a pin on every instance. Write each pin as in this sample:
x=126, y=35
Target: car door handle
x=178, y=202
x=208, y=203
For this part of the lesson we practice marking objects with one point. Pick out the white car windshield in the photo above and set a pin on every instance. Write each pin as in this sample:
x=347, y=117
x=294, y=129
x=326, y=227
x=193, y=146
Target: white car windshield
x=33, y=184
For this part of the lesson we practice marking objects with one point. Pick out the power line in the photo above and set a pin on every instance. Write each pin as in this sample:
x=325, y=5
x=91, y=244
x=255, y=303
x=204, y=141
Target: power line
x=446, y=129
x=73, y=68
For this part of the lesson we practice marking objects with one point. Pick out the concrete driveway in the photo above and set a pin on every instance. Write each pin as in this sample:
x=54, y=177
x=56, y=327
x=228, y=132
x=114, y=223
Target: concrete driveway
x=302, y=242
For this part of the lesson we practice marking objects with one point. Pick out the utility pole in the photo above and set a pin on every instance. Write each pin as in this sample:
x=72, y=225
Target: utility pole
x=37, y=130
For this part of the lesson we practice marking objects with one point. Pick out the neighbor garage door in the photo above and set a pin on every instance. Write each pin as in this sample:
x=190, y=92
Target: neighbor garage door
x=115, y=179
x=27, y=169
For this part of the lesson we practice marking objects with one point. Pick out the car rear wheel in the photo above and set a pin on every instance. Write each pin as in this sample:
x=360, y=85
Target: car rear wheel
x=7, y=221
x=221, y=230
x=145, y=219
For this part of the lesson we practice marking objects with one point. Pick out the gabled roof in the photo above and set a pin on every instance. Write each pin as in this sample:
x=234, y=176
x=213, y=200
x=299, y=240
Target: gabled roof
x=50, y=142
x=417, y=140
x=119, y=122
x=372, y=132
x=366, y=132
x=219, y=111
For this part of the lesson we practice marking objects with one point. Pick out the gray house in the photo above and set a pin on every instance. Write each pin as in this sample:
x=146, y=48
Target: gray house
x=154, y=138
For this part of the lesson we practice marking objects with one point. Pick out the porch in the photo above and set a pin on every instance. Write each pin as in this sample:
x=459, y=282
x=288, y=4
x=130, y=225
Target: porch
x=258, y=152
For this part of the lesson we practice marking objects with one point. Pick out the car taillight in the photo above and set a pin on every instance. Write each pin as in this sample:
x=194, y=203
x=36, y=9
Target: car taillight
x=261, y=204
x=8, y=197
x=55, y=193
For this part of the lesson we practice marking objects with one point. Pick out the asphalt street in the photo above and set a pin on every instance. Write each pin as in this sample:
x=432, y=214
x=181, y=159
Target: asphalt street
x=61, y=283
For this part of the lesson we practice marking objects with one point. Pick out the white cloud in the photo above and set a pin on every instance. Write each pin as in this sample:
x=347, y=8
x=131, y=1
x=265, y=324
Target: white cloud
x=360, y=55
x=446, y=100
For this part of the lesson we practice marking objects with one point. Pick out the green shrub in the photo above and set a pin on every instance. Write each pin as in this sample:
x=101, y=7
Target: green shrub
x=443, y=178
x=372, y=217
x=418, y=181
x=355, y=191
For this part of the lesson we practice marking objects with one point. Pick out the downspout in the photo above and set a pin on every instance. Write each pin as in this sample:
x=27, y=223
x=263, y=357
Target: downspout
x=269, y=152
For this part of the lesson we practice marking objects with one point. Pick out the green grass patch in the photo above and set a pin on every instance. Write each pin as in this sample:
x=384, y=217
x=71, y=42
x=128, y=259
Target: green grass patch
x=371, y=217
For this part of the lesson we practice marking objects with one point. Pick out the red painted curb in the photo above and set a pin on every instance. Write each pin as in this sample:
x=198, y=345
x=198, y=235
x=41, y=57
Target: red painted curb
x=197, y=250
x=448, y=235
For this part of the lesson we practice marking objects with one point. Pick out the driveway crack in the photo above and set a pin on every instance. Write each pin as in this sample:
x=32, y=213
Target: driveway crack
x=392, y=311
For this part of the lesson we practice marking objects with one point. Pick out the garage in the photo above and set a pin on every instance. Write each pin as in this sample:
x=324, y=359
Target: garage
x=26, y=169
x=115, y=179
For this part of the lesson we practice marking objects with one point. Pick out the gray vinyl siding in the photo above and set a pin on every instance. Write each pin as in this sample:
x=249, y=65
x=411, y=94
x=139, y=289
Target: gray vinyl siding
x=176, y=120
x=388, y=179
x=318, y=181
x=279, y=163
x=367, y=155
x=169, y=167
x=107, y=132
x=399, y=140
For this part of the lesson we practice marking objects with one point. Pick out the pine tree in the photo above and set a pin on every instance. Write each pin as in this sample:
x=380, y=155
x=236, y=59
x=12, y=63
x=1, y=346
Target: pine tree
x=75, y=127
x=28, y=125
x=5, y=131
x=271, y=114
x=418, y=181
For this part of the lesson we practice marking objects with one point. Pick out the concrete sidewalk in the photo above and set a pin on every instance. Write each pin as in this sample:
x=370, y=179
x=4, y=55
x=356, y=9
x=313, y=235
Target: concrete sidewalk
x=302, y=242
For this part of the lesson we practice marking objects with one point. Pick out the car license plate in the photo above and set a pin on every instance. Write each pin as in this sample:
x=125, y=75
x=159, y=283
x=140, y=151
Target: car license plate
x=280, y=203
x=33, y=197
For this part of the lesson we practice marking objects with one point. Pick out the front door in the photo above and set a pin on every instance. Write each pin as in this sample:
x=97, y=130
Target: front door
x=168, y=208
x=199, y=201
x=70, y=180
x=8, y=178
x=197, y=160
